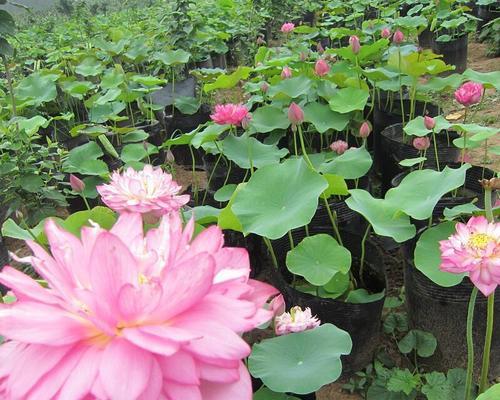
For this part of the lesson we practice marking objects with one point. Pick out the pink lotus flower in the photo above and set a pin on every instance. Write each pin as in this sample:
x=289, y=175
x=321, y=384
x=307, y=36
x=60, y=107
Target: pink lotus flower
x=151, y=192
x=429, y=122
x=295, y=321
x=229, y=114
x=286, y=73
x=421, y=143
x=469, y=93
x=77, y=185
x=130, y=316
x=321, y=68
x=365, y=130
x=475, y=249
x=287, y=27
x=354, y=43
x=398, y=37
x=385, y=33
x=339, y=147
x=295, y=114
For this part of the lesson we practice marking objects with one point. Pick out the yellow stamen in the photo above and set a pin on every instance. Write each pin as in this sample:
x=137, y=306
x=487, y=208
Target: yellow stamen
x=479, y=241
x=143, y=279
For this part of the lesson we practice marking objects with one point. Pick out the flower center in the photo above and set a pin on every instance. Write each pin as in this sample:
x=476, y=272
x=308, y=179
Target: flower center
x=479, y=241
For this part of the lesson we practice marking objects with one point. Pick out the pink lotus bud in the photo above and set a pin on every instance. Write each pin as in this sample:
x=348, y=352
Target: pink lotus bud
x=354, y=43
x=286, y=73
x=429, y=122
x=469, y=93
x=169, y=157
x=421, y=143
x=365, y=130
x=398, y=37
x=339, y=147
x=76, y=183
x=287, y=27
x=264, y=87
x=386, y=33
x=321, y=68
x=320, y=48
x=295, y=114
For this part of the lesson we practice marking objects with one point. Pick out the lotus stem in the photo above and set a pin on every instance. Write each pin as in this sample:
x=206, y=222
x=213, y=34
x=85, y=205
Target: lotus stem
x=210, y=178
x=271, y=251
x=193, y=172
x=470, y=345
x=401, y=91
x=434, y=139
x=290, y=237
x=86, y=202
x=333, y=220
x=483, y=382
x=363, y=250
x=303, y=146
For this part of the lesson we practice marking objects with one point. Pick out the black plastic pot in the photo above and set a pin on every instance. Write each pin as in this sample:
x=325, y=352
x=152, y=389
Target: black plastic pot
x=219, y=61
x=178, y=124
x=454, y=52
x=426, y=39
x=222, y=173
x=393, y=150
x=387, y=113
x=443, y=312
x=362, y=321
x=472, y=190
x=487, y=14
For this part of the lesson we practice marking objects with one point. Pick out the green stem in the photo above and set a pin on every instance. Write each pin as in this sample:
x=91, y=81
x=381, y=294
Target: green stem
x=487, y=205
x=86, y=202
x=210, y=177
x=303, y=146
x=363, y=250
x=434, y=139
x=333, y=220
x=271, y=251
x=290, y=237
x=193, y=172
x=485, y=369
x=470, y=345
x=295, y=141
x=401, y=91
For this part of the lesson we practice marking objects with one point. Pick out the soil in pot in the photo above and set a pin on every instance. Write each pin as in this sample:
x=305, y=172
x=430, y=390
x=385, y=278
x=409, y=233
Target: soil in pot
x=454, y=53
x=471, y=190
x=362, y=321
x=443, y=312
x=393, y=150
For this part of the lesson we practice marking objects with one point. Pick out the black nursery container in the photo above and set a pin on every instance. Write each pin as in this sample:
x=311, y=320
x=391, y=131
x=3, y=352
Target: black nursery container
x=222, y=173
x=387, y=113
x=487, y=14
x=472, y=190
x=426, y=39
x=443, y=312
x=362, y=321
x=394, y=150
x=454, y=52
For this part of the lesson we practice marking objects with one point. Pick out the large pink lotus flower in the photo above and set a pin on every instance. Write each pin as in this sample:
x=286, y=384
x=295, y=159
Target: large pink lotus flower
x=469, y=93
x=131, y=316
x=339, y=147
x=297, y=320
x=287, y=27
x=475, y=249
x=151, y=192
x=230, y=114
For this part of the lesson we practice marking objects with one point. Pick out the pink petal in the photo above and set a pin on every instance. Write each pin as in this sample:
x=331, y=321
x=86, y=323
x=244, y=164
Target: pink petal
x=25, y=288
x=177, y=391
x=184, y=285
x=81, y=379
x=125, y=370
x=30, y=365
x=155, y=384
x=241, y=389
x=113, y=267
x=128, y=227
x=181, y=368
x=151, y=343
x=135, y=302
x=32, y=322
